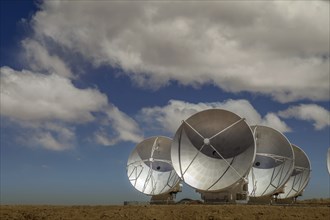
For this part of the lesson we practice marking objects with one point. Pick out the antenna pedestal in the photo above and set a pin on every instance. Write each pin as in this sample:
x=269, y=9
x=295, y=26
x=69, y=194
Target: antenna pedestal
x=291, y=200
x=236, y=194
x=262, y=200
x=166, y=198
x=269, y=199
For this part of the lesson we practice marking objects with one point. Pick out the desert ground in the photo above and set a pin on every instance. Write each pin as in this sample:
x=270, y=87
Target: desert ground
x=300, y=211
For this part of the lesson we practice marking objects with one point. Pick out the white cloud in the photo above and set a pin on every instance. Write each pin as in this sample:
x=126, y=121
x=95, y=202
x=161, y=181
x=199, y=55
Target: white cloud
x=123, y=127
x=39, y=59
x=32, y=96
x=272, y=120
x=309, y=112
x=53, y=137
x=49, y=107
x=169, y=117
x=259, y=47
x=101, y=137
x=47, y=140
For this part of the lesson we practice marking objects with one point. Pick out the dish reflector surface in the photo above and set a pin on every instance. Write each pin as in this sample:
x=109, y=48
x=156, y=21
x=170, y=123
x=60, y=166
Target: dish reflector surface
x=273, y=164
x=149, y=167
x=300, y=175
x=213, y=149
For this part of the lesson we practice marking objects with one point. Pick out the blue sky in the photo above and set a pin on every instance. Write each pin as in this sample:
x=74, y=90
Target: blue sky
x=83, y=82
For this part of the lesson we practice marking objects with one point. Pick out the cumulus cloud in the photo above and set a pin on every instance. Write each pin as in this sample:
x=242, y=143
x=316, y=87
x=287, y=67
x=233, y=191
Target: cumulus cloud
x=39, y=59
x=52, y=137
x=168, y=118
x=32, y=96
x=49, y=106
x=49, y=135
x=272, y=120
x=259, y=47
x=123, y=127
x=308, y=112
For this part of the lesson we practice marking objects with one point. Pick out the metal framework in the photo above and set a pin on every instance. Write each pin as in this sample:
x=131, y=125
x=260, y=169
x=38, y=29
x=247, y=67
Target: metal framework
x=213, y=150
x=149, y=167
x=274, y=162
x=299, y=177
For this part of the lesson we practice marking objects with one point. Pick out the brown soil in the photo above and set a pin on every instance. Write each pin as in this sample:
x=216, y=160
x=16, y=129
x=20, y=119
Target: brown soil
x=156, y=212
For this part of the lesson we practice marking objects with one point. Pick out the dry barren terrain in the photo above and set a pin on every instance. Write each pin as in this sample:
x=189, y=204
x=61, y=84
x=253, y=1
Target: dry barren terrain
x=306, y=211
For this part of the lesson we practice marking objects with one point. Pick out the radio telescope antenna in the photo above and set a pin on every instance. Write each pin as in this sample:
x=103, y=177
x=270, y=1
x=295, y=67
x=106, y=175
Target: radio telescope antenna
x=299, y=177
x=213, y=151
x=150, y=170
x=273, y=164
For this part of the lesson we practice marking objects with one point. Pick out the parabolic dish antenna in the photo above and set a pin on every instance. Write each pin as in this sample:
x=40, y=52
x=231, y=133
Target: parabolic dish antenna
x=300, y=175
x=328, y=160
x=273, y=164
x=213, y=150
x=149, y=167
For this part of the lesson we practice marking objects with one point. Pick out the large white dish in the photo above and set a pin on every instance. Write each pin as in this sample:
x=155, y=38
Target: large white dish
x=149, y=167
x=273, y=164
x=213, y=150
x=300, y=175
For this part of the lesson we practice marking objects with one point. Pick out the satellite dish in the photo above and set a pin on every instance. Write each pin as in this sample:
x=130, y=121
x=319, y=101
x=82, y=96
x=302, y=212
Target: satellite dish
x=328, y=160
x=149, y=167
x=212, y=150
x=300, y=175
x=273, y=164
